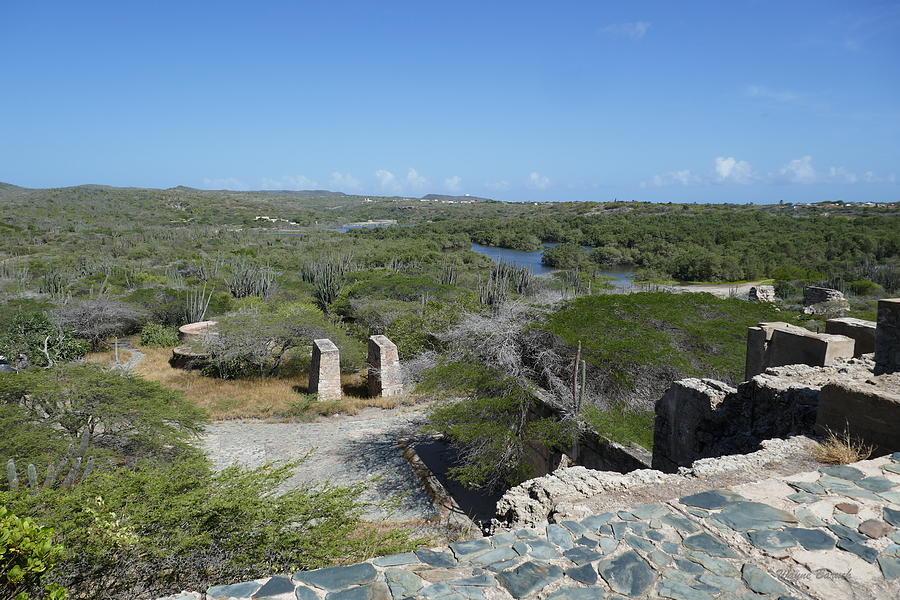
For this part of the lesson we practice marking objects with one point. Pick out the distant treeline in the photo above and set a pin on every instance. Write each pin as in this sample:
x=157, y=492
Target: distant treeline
x=725, y=244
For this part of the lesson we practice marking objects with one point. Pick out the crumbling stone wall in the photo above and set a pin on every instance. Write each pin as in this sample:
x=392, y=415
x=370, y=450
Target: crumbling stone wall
x=762, y=293
x=702, y=418
x=813, y=294
x=867, y=410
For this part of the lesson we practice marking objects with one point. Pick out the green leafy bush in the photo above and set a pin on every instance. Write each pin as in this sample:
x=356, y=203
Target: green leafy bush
x=864, y=287
x=29, y=334
x=491, y=428
x=27, y=554
x=98, y=405
x=166, y=526
x=155, y=334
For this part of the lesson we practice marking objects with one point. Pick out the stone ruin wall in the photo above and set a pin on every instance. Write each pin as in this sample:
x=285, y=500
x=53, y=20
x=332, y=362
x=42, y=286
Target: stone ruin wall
x=708, y=429
x=798, y=382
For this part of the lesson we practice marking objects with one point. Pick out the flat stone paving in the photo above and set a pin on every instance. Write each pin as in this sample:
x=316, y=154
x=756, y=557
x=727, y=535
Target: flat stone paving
x=831, y=533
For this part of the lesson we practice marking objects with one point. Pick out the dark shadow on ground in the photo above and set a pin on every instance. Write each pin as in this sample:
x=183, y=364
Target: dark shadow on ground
x=479, y=505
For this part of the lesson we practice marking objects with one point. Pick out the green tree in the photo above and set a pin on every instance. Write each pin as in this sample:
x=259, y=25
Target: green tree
x=34, y=335
x=566, y=256
x=93, y=404
x=27, y=554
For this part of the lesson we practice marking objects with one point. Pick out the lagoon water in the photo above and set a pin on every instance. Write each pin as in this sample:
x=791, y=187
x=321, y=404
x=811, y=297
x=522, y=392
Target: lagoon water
x=621, y=276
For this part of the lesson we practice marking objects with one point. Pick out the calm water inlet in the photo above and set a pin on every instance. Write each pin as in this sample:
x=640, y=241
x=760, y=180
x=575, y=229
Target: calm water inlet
x=621, y=276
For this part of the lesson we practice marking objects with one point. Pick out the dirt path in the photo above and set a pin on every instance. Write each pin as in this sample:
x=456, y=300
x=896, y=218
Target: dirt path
x=722, y=290
x=135, y=356
x=343, y=449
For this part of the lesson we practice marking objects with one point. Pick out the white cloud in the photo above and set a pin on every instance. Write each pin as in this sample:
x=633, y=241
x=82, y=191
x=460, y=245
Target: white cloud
x=224, y=183
x=289, y=182
x=453, y=184
x=841, y=175
x=386, y=179
x=415, y=180
x=761, y=91
x=799, y=170
x=498, y=186
x=682, y=177
x=538, y=181
x=344, y=182
x=389, y=182
x=635, y=30
x=732, y=170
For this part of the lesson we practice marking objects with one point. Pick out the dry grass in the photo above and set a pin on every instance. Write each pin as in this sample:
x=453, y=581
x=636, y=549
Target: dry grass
x=264, y=398
x=841, y=449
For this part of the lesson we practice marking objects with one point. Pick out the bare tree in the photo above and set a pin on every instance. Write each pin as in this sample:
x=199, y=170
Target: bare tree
x=98, y=319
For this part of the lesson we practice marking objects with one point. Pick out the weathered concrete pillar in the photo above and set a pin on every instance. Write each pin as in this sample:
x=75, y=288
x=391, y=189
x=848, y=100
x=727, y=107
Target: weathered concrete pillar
x=861, y=332
x=777, y=344
x=385, y=378
x=325, y=370
x=757, y=339
x=887, y=337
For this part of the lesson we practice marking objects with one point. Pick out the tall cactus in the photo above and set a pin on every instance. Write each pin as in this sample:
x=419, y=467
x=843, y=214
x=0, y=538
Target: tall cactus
x=448, y=274
x=196, y=304
x=11, y=476
x=32, y=476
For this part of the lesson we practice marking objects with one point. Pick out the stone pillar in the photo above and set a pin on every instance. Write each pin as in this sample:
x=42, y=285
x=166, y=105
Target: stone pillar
x=757, y=339
x=385, y=378
x=325, y=370
x=887, y=337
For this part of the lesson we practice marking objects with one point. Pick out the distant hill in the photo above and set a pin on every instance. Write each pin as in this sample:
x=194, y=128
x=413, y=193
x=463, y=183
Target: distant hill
x=8, y=187
x=456, y=198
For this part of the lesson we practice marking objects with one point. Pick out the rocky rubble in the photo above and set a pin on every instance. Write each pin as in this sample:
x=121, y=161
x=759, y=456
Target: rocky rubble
x=568, y=493
x=832, y=533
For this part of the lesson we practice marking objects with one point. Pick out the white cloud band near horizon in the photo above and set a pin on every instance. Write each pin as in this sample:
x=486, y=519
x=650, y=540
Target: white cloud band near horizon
x=730, y=170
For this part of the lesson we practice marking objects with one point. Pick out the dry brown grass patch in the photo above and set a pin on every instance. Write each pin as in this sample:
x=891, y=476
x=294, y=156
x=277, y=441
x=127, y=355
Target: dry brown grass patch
x=841, y=449
x=260, y=398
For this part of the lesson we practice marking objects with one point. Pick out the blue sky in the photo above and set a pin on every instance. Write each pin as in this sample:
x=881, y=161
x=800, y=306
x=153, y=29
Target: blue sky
x=752, y=101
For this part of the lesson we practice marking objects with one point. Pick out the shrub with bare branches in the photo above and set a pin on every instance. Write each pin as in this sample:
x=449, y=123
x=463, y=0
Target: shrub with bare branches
x=98, y=319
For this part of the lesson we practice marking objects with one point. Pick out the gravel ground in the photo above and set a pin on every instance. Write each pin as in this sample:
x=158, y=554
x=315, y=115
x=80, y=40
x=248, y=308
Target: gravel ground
x=345, y=450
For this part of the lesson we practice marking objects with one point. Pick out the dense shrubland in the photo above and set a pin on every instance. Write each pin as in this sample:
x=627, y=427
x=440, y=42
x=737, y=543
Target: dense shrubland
x=151, y=516
x=81, y=267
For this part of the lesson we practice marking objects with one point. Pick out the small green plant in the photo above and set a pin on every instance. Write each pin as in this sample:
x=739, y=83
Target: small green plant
x=27, y=554
x=622, y=425
x=155, y=334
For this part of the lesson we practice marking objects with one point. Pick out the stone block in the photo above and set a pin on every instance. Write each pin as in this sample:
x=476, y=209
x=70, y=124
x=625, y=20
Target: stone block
x=385, y=377
x=789, y=347
x=860, y=331
x=687, y=407
x=762, y=293
x=813, y=294
x=887, y=337
x=325, y=370
x=776, y=344
x=868, y=410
